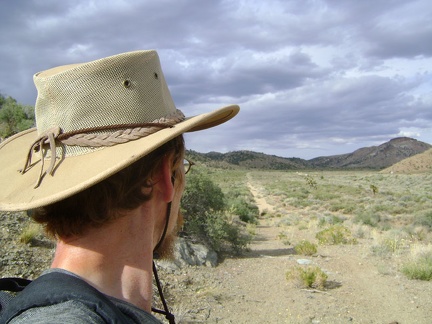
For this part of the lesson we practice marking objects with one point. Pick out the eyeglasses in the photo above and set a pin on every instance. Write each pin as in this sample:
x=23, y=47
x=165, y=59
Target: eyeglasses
x=187, y=165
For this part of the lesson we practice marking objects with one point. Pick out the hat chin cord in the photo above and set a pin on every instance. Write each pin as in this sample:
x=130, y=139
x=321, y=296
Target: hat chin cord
x=168, y=315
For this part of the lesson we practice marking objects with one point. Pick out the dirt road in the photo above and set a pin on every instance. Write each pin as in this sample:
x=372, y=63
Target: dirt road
x=254, y=289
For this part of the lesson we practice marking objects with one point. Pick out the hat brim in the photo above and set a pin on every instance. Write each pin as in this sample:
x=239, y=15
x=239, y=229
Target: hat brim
x=77, y=173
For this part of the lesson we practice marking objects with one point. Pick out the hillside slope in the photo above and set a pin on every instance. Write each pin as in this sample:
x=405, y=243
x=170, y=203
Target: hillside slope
x=374, y=157
x=248, y=159
x=419, y=163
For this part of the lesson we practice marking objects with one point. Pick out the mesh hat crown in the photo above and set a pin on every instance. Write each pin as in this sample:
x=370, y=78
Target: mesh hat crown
x=125, y=89
x=92, y=120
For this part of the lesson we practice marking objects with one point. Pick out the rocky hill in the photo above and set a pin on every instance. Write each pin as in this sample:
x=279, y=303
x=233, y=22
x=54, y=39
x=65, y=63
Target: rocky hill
x=374, y=157
x=248, y=159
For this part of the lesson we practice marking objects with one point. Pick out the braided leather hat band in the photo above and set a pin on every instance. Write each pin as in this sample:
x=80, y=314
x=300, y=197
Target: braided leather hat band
x=91, y=138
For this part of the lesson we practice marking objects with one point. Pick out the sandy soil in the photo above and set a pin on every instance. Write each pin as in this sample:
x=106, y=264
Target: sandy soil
x=254, y=289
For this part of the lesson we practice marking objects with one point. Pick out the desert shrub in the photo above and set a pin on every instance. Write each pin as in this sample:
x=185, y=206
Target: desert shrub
x=224, y=235
x=322, y=222
x=329, y=219
x=246, y=210
x=300, y=203
x=311, y=182
x=201, y=195
x=206, y=219
x=419, y=233
x=425, y=219
x=251, y=229
x=395, y=241
x=334, y=235
x=333, y=219
x=283, y=221
x=374, y=189
x=361, y=231
x=419, y=268
x=386, y=248
x=310, y=277
x=305, y=248
x=368, y=218
x=345, y=207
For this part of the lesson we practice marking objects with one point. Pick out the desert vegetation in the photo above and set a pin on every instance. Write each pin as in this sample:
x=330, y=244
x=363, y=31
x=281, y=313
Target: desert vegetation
x=216, y=219
x=388, y=216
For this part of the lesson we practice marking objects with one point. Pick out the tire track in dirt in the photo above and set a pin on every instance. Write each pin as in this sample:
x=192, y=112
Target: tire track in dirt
x=255, y=285
x=260, y=201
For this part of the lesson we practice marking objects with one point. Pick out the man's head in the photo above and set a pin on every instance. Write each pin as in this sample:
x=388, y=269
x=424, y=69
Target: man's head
x=102, y=128
x=111, y=198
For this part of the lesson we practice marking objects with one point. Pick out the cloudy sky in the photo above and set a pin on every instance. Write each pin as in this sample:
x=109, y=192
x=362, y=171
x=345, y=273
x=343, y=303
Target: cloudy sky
x=312, y=77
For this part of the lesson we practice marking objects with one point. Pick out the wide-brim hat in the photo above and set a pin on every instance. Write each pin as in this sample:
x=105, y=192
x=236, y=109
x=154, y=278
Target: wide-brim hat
x=98, y=118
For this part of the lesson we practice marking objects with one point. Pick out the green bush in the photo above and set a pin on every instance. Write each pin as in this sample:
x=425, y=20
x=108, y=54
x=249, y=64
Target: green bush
x=206, y=219
x=201, y=195
x=14, y=117
x=246, y=210
x=311, y=182
x=374, y=189
x=368, y=218
x=306, y=248
x=425, y=219
x=223, y=235
x=334, y=235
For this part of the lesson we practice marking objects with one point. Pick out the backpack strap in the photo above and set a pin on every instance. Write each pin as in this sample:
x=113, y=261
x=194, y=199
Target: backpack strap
x=13, y=284
x=9, y=286
x=56, y=287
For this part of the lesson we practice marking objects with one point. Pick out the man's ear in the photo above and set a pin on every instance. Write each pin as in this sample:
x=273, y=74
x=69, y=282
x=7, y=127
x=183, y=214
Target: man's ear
x=166, y=178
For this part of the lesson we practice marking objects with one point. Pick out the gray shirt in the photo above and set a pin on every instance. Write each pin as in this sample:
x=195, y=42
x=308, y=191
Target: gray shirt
x=74, y=312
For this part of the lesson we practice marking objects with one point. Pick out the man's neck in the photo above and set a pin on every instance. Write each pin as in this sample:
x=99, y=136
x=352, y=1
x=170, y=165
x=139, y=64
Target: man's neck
x=116, y=259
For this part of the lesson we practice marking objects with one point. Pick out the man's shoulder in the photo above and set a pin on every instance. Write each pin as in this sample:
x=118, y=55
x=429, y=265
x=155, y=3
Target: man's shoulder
x=68, y=312
x=61, y=297
x=76, y=312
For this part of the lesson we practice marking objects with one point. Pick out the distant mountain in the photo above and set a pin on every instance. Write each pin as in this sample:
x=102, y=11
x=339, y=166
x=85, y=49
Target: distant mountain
x=374, y=157
x=248, y=159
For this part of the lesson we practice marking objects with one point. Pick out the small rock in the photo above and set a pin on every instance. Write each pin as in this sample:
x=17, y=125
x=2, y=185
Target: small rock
x=194, y=254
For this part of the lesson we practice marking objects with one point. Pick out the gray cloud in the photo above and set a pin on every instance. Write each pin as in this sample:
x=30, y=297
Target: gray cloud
x=312, y=77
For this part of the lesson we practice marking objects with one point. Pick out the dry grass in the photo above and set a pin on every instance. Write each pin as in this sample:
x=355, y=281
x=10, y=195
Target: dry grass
x=309, y=277
x=30, y=232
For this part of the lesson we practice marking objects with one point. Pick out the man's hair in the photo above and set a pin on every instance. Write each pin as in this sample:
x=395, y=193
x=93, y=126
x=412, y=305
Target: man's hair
x=106, y=200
